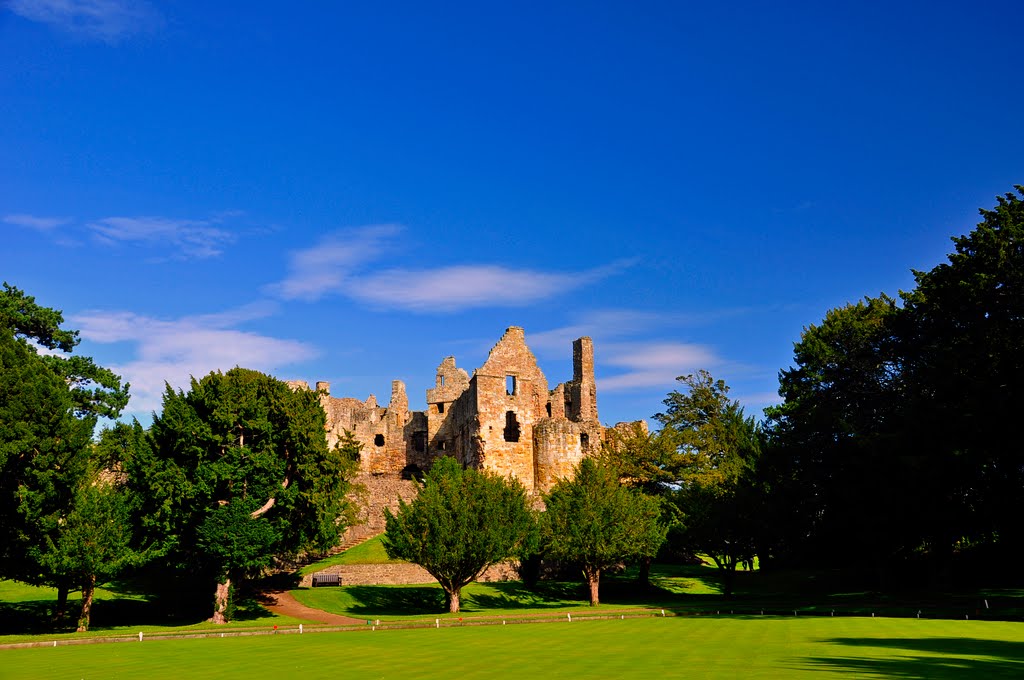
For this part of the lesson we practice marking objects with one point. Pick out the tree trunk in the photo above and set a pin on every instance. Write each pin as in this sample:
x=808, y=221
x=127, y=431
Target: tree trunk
x=220, y=601
x=62, y=601
x=728, y=577
x=593, y=576
x=454, y=600
x=88, y=589
x=643, y=579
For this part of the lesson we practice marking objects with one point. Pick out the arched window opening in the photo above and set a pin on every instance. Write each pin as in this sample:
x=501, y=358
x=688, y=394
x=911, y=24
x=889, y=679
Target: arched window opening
x=378, y=440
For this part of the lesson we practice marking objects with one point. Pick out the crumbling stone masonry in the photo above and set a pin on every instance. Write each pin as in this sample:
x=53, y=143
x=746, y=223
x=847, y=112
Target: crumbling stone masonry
x=502, y=418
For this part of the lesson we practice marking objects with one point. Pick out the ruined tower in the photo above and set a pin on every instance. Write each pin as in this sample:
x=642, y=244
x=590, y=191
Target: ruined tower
x=503, y=418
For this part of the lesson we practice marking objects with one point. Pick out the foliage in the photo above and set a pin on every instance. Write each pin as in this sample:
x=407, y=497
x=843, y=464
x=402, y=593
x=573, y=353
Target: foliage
x=94, y=541
x=718, y=497
x=961, y=333
x=832, y=436
x=237, y=472
x=461, y=522
x=95, y=390
x=56, y=515
x=643, y=460
x=44, y=453
x=595, y=522
x=896, y=437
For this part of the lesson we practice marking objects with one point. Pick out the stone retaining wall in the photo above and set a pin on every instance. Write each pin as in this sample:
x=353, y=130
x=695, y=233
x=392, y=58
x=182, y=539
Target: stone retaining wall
x=401, y=574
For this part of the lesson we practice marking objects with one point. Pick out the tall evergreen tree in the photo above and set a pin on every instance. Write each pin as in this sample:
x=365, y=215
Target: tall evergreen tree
x=461, y=522
x=237, y=472
x=595, y=522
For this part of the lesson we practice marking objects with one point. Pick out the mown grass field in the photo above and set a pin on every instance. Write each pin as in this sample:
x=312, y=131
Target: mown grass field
x=703, y=633
x=709, y=647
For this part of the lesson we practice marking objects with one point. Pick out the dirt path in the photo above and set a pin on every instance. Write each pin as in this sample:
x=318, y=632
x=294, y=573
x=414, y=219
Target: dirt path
x=281, y=602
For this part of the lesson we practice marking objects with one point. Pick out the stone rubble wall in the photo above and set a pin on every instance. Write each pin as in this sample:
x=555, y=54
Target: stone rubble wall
x=402, y=574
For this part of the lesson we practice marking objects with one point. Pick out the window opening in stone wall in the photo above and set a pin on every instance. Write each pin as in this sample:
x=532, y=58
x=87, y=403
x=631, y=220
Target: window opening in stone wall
x=511, y=427
x=378, y=440
x=442, y=381
x=549, y=409
x=510, y=384
x=585, y=440
x=440, y=408
x=442, y=445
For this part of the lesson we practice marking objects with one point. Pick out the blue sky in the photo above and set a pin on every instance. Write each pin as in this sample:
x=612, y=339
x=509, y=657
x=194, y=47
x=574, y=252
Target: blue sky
x=351, y=192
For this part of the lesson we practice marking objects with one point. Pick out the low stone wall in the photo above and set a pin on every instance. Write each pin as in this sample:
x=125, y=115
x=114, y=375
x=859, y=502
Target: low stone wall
x=401, y=574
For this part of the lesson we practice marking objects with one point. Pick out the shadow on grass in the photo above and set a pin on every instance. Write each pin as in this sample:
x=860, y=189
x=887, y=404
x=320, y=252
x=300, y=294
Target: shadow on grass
x=395, y=601
x=32, y=617
x=960, y=658
x=513, y=595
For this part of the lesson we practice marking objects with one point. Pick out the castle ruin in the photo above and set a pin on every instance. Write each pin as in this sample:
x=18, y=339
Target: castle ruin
x=503, y=418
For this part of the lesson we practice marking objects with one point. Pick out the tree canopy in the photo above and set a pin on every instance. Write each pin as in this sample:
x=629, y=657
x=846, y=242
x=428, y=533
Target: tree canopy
x=461, y=522
x=595, y=522
x=896, y=436
x=95, y=390
x=718, y=497
x=236, y=472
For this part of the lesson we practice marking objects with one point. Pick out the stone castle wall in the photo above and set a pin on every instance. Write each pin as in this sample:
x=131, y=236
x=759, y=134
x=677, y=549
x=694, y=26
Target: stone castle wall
x=502, y=418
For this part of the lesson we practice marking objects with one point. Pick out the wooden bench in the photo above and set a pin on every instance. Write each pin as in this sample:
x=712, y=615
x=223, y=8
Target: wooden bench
x=323, y=579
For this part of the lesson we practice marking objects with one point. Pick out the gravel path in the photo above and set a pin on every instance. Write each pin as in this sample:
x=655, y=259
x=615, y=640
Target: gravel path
x=281, y=602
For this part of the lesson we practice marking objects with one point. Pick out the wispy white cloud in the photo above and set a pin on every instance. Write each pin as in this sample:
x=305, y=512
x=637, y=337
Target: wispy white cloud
x=603, y=324
x=460, y=287
x=325, y=268
x=638, y=349
x=173, y=350
x=190, y=238
x=653, y=364
x=342, y=263
x=109, y=21
x=36, y=222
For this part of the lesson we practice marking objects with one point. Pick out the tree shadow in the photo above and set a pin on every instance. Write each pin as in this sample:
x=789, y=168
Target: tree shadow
x=514, y=595
x=959, y=658
x=395, y=601
x=32, y=617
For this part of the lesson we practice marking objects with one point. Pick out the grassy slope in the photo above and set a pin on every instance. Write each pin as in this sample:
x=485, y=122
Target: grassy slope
x=702, y=647
x=368, y=552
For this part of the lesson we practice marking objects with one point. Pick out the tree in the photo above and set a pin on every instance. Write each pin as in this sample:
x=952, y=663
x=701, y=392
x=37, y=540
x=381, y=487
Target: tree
x=595, y=522
x=94, y=541
x=897, y=438
x=834, y=438
x=646, y=461
x=461, y=522
x=961, y=333
x=94, y=390
x=48, y=410
x=718, y=494
x=237, y=472
x=44, y=452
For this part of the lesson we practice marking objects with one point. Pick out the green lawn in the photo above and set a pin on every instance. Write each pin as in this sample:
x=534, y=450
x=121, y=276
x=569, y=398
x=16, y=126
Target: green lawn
x=370, y=551
x=26, y=613
x=710, y=647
